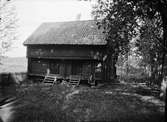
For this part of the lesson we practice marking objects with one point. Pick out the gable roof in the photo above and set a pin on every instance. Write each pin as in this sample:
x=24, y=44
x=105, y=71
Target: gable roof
x=67, y=33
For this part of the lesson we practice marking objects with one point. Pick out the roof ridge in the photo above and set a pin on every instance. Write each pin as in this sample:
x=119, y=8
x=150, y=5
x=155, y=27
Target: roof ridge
x=68, y=21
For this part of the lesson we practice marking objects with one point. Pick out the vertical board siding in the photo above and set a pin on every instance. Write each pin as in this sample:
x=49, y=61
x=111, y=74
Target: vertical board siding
x=38, y=67
x=64, y=68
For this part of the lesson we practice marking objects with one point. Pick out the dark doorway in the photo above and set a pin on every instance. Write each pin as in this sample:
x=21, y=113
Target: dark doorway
x=54, y=67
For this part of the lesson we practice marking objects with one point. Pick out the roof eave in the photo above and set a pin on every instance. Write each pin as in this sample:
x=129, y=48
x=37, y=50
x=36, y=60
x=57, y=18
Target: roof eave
x=26, y=44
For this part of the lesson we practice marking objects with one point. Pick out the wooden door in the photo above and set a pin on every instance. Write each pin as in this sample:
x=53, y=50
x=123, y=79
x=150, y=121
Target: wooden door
x=68, y=67
x=76, y=68
x=54, y=67
x=86, y=70
x=62, y=69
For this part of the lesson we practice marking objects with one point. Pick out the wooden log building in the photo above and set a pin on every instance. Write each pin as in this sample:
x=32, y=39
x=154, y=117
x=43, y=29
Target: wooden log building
x=67, y=48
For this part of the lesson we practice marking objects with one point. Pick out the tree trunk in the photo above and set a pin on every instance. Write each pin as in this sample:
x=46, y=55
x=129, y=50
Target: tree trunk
x=164, y=43
x=114, y=69
x=111, y=66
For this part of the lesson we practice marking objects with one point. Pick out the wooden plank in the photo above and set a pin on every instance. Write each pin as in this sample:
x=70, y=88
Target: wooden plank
x=38, y=66
x=75, y=79
x=66, y=52
x=52, y=78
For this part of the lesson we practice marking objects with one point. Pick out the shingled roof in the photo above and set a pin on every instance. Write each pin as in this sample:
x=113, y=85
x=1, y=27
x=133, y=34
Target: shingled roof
x=67, y=33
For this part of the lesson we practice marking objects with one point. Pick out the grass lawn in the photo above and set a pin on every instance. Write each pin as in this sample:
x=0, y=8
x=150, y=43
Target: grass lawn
x=108, y=103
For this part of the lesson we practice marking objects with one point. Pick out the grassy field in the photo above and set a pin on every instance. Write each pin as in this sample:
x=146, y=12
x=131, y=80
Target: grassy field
x=14, y=64
x=106, y=103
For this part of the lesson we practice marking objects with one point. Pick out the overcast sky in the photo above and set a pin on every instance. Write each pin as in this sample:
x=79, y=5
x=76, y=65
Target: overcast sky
x=31, y=13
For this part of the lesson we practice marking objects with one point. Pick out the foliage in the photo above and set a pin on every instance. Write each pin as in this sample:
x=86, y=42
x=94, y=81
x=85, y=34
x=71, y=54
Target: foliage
x=127, y=18
x=153, y=38
x=119, y=23
x=144, y=9
x=150, y=9
x=7, y=26
x=150, y=33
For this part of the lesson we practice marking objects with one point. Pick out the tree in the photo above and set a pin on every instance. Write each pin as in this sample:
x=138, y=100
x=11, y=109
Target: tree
x=140, y=9
x=7, y=26
x=149, y=49
x=119, y=22
x=151, y=9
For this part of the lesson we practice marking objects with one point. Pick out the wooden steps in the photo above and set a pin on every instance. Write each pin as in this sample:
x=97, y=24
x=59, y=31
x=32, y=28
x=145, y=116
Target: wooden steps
x=52, y=79
x=74, y=80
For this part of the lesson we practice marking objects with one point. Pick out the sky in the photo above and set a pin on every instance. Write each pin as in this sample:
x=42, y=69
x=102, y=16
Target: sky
x=32, y=13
